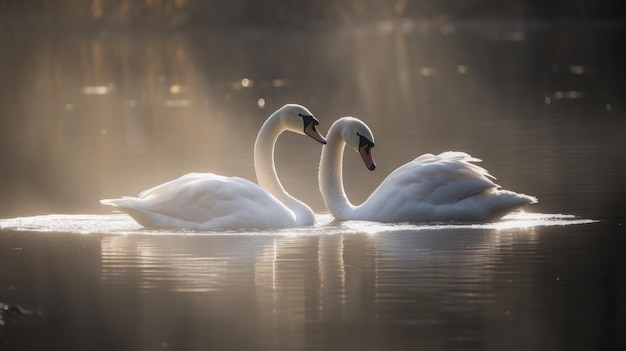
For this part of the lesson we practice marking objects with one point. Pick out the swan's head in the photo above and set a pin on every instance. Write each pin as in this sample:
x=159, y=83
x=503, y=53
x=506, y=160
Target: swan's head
x=299, y=119
x=359, y=137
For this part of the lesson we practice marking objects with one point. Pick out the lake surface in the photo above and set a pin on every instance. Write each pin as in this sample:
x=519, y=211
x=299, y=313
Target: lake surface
x=91, y=116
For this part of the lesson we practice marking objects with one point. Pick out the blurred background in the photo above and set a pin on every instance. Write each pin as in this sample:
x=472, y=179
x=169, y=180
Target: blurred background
x=105, y=98
x=124, y=14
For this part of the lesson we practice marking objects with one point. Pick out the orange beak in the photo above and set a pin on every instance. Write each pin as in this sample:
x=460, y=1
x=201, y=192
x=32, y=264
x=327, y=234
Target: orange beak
x=311, y=131
x=366, y=155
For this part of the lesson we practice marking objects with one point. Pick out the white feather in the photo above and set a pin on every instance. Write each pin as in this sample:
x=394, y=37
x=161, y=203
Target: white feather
x=211, y=201
x=444, y=187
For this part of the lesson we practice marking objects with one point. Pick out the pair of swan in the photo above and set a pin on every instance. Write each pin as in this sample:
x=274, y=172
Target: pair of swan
x=444, y=187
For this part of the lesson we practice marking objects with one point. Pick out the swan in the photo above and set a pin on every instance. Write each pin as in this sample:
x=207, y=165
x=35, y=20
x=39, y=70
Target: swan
x=211, y=201
x=444, y=187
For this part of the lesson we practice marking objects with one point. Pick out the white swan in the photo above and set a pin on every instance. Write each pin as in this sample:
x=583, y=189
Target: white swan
x=211, y=201
x=445, y=187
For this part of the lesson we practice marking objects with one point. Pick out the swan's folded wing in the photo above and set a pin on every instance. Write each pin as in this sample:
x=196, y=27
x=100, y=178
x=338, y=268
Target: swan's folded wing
x=172, y=185
x=428, y=182
x=206, y=200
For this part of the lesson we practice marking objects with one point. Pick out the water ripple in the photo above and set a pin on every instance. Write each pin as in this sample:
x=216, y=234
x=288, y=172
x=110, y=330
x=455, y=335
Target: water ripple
x=325, y=224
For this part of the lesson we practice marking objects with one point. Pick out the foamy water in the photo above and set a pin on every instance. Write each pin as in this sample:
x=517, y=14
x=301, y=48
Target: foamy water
x=325, y=224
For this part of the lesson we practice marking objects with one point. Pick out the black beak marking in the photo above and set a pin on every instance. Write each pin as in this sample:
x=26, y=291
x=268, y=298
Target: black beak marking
x=308, y=120
x=309, y=127
x=365, y=142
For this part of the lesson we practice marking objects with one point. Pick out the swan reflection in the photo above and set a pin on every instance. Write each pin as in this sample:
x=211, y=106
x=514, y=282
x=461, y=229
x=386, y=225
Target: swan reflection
x=329, y=276
x=268, y=284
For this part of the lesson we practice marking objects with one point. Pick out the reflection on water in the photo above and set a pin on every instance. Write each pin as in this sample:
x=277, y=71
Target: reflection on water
x=335, y=286
x=159, y=266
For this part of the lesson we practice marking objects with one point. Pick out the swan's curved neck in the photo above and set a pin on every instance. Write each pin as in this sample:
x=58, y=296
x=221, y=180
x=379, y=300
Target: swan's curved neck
x=266, y=170
x=331, y=175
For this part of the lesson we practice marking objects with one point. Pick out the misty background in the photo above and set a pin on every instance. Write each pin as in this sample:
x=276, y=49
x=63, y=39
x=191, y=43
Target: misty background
x=105, y=98
x=101, y=99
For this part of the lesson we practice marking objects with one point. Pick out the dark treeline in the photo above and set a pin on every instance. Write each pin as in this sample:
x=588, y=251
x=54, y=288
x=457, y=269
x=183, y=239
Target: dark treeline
x=199, y=13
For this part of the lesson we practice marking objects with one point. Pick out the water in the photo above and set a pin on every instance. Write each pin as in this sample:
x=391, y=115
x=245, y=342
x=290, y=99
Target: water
x=85, y=117
x=104, y=281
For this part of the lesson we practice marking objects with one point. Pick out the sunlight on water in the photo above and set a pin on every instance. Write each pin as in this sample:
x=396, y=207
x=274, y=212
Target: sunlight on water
x=325, y=224
x=153, y=266
x=579, y=70
x=177, y=89
x=99, y=90
x=177, y=103
x=572, y=94
x=511, y=221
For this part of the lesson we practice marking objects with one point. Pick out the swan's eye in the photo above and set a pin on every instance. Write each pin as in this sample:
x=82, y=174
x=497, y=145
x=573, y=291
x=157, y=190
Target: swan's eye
x=309, y=120
x=365, y=142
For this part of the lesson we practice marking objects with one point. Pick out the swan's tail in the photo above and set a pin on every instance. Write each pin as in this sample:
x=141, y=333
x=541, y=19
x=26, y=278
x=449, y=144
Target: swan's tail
x=110, y=202
x=129, y=206
x=506, y=201
x=122, y=203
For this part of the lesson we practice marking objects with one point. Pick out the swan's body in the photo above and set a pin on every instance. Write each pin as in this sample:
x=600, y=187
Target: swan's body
x=444, y=187
x=211, y=201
